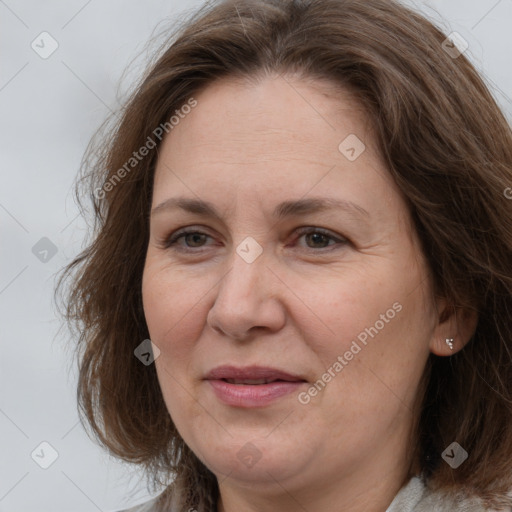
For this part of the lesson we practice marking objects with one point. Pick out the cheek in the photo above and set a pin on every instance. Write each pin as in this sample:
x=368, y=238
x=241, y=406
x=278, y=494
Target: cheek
x=174, y=320
x=340, y=308
x=173, y=307
x=377, y=343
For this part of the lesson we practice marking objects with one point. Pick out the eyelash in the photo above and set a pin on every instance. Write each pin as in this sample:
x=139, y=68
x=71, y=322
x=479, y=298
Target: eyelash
x=170, y=241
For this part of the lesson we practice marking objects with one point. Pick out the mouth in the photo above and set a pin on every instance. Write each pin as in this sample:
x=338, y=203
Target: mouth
x=253, y=382
x=253, y=386
x=252, y=375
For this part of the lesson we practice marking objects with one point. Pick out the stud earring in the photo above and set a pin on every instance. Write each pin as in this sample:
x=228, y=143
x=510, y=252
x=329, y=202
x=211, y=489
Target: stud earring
x=449, y=342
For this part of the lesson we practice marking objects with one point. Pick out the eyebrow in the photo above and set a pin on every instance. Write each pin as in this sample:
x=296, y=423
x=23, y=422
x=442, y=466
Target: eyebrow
x=285, y=209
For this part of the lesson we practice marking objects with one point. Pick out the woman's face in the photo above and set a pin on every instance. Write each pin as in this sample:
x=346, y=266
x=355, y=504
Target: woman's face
x=333, y=293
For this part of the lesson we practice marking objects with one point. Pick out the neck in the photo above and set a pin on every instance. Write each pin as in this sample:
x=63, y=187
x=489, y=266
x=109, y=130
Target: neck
x=357, y=491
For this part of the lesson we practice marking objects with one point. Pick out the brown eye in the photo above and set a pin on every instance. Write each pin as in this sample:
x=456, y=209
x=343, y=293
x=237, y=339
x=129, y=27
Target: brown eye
x=193, y=239
x=320, y=239
x=317, y=239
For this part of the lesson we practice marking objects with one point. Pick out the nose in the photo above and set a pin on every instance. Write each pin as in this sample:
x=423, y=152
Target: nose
x=249, y=300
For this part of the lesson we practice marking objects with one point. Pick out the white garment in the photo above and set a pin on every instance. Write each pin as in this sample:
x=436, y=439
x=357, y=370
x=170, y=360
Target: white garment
x=412, y=497
x=416, y=497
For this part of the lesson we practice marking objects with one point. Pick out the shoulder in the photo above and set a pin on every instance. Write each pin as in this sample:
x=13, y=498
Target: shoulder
x=415, y=496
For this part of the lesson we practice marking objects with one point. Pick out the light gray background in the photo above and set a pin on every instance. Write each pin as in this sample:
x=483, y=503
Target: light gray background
x=49, y=110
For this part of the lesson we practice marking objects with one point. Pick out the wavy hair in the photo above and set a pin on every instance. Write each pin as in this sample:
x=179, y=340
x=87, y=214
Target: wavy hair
x=447, y=145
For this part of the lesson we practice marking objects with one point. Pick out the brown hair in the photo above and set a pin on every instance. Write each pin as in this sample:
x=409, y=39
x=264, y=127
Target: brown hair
x=445, y=142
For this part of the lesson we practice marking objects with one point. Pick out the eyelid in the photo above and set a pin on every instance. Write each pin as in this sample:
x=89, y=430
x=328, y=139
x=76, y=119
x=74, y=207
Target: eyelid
x=341, y=241
x=327, y=232
x=167, y=242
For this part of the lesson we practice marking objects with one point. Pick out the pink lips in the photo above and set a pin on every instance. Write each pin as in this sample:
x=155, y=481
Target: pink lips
x=235, y=386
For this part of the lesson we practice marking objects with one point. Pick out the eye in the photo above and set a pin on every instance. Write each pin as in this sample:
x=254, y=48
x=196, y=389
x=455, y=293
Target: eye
x=193, y=239
x=319, y=237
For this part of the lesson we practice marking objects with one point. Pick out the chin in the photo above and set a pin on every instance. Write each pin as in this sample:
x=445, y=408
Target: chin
x=255, y=460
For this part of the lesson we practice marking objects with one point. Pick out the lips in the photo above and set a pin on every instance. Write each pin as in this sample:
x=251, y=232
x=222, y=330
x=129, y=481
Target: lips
x=248, y=382
x=251, y=375
x=253, y=386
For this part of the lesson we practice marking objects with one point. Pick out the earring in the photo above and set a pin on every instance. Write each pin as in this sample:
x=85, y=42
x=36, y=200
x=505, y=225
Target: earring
x=449, y=342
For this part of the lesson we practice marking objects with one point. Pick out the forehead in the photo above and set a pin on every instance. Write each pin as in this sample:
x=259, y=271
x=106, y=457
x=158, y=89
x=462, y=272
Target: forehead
x=247, y=148
x=282, y=122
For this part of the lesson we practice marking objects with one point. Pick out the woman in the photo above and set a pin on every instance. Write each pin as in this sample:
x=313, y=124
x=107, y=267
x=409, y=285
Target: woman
x=304, y=208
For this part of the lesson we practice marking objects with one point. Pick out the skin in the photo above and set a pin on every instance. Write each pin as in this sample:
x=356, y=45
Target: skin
x=245, y=147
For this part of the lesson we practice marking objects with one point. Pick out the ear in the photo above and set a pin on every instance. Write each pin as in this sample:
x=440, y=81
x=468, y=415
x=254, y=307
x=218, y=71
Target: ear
x=453, y=322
